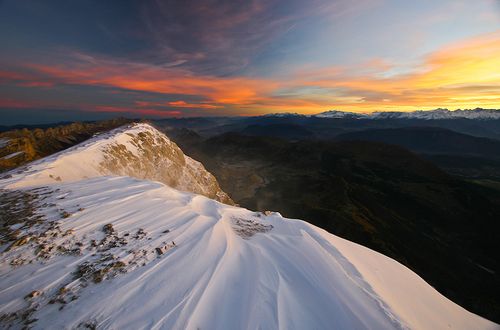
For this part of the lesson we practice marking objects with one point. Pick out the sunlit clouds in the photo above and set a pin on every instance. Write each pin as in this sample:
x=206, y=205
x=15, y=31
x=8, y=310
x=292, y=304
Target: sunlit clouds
x=251, y=58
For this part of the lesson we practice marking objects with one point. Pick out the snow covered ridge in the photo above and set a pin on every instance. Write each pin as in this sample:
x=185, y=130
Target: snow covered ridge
x=136, y=150
x=116, y=252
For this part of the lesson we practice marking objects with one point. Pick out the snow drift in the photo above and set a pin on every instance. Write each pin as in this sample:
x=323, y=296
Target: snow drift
x=94, y=250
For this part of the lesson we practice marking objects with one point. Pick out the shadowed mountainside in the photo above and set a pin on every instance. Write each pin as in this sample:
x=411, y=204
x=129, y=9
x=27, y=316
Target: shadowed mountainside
x=459, y=154
x=429, y=140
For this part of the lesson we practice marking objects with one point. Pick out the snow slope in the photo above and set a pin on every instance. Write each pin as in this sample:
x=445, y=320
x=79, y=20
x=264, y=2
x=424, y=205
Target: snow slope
x=125, y=253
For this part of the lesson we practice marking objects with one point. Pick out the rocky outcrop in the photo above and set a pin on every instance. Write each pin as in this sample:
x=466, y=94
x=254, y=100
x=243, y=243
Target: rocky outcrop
x=149, y=154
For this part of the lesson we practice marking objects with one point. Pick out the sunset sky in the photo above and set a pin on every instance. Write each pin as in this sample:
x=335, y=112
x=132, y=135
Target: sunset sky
x=74, y=60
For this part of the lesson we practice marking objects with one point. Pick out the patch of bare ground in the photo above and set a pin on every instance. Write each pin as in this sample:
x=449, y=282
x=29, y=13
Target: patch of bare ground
x=31, y=230
x=246, y=228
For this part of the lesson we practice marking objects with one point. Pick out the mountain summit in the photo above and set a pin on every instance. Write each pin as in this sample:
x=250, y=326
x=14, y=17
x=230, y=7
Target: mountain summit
x=89, y=240
x=137, y=150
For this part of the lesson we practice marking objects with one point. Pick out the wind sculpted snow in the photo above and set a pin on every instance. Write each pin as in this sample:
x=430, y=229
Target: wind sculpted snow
x=126, y=253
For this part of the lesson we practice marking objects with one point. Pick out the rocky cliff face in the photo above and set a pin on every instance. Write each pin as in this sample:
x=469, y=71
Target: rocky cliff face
x=136, y=150
x=150, y=155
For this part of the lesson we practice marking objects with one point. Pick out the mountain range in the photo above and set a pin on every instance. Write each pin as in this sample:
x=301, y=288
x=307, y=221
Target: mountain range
x=326, y=126
x=436, y=114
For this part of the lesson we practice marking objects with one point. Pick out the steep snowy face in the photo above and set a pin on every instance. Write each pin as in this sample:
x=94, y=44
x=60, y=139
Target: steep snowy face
x=137, y=150
x=118, y=252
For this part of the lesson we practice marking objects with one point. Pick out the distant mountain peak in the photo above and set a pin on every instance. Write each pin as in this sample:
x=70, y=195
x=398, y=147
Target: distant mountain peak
x=283, y=114
x=339, y=114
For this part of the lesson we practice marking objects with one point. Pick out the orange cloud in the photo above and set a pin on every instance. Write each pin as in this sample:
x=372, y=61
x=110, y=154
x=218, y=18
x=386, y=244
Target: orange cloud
x=140, y=77
x=177, y=104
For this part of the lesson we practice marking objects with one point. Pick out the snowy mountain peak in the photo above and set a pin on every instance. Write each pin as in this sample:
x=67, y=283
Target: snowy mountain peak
x=137, y=150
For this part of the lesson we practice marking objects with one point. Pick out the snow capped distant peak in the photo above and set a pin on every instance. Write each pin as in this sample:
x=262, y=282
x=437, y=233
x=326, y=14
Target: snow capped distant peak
x=283, y=114
x=419, y=114
x=339, y=114
x=137, y=150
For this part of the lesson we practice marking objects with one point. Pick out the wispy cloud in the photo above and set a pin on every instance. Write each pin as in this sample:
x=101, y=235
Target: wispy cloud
x=222, y=37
